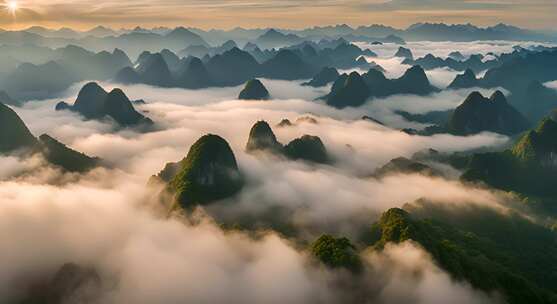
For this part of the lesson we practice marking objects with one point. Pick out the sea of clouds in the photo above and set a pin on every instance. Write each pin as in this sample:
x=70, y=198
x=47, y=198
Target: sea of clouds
x=110, y=220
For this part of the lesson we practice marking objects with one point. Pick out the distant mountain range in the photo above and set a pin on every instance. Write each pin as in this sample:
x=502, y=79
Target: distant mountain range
x=235, y=66
x=132, y=42
x=58, y=69
x=129, y=39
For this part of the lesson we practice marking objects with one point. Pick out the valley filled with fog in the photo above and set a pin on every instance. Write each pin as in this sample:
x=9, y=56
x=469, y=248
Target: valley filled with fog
x=398, y=194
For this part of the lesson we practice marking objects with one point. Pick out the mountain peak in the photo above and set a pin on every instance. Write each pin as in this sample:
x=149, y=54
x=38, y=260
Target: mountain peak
x=498, y=97
x=415, y=80
x=538, y=145
x=478, y=113
x=308, y=148
x=207, y=174
x=474, y=97
x=464, y=81
x=404, y=53
x=348, y=90
x=87, y=102
x=416, y=73
x=262, y=138
x=93, y=102
x=254, y=90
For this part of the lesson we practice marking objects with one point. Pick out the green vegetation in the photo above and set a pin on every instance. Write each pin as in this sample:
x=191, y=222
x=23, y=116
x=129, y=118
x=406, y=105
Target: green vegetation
x=493, y=252
x=527, y=168
x=336, y=253
x=538, y=145
x=208, y=173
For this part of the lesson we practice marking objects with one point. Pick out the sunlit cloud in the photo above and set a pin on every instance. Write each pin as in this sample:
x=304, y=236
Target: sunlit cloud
x=279, y=13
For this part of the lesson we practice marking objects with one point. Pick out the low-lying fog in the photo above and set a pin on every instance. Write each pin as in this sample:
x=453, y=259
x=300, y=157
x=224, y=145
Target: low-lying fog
x=103, y=218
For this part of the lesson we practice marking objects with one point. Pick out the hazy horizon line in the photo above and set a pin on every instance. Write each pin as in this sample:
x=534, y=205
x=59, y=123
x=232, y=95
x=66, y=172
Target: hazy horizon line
x=332, y=25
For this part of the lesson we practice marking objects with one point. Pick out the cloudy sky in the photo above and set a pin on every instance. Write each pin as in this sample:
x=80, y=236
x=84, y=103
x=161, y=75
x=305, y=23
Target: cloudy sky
x=277, y=13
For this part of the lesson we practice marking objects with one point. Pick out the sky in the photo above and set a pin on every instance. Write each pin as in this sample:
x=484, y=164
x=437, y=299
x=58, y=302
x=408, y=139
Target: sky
x=84, y=14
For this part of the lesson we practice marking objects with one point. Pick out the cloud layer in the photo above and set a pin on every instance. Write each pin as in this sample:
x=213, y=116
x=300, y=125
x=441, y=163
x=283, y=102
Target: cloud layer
x=110, y=220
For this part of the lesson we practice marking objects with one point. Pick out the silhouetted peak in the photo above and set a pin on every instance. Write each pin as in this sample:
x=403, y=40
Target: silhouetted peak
x=117, y=93
x=229, y=44
x=353, y=77
x=272, y=33
x=118, y=52
x=478, y=113
x=62, y=106
x=14, y=134
x=498, y=97
x=474, y=97
x=180, y=32
x=416, y=72
x=404, y=53
x=153, y=62
x=254, y=90
x=466, y=80
x=90, y=93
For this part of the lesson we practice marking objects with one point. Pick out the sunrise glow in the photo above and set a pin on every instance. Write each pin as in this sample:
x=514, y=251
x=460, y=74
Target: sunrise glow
x=12, y=6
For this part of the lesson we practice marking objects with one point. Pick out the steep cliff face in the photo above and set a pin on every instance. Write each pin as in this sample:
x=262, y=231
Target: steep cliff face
x=14, y=134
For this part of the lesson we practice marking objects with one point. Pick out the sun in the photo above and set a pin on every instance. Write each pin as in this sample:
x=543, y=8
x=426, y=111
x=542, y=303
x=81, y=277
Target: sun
x=12, y=6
